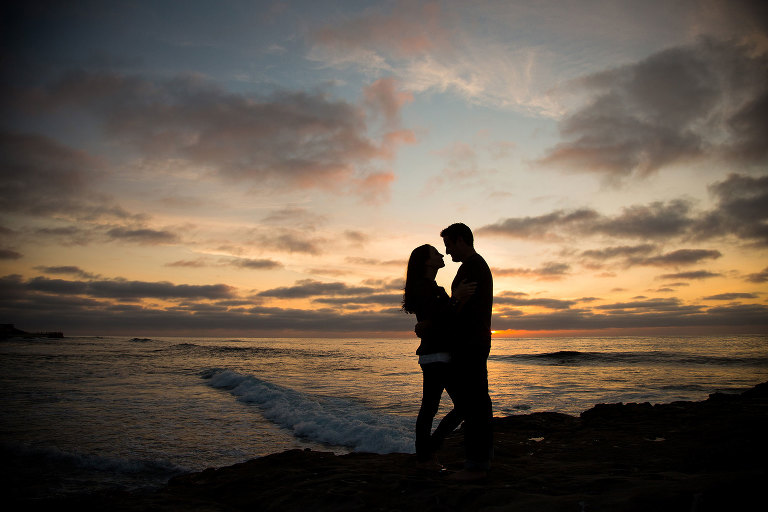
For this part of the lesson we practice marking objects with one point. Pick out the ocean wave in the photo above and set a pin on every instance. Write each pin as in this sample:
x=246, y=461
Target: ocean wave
x=52, y=454
x=576, y=358
x=324, y=420
x=248, y=351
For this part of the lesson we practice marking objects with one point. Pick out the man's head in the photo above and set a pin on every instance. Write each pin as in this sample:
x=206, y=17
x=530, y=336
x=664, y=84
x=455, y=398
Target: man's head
x=459, y=242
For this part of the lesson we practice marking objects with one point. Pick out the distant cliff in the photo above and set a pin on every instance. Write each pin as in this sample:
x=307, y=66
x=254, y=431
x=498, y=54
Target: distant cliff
x=10, y=331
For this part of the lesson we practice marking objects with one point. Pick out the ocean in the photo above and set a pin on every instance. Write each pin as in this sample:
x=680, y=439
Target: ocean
x=82, y=414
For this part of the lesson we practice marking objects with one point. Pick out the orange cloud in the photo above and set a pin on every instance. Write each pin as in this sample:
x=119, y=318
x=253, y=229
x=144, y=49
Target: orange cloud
x=407, y=31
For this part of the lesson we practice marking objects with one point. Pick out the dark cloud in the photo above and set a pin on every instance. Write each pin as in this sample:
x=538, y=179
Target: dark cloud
x=699, y=101
x=42, y=176
x=517, y=299
x=287, y=240
x=311, y=288
x=374, y=262
x=386, y=284
x=247, y=263
x=295, y=217
x=260, y=264
x=742, y=210
x=66, y=270
x=655, y=221
x=356, y=237
x=90, y=317
x=658, y=314
x=305, y=140
x=144, y=236
x=758, y=277
x=548, y=271
x=57, y=286
x=677, y=258
x=67, y=235
x=731, y=296
x=658, y=220
x=623, y=251
x=121, y=288
x=27, y=302
x=198, y=263
x=696, y=274
x=540, y=227
x=378, y=299
x=9, y=254
x=662, y=304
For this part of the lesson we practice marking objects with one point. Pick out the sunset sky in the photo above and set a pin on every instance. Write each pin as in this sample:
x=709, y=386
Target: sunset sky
x=264, y=168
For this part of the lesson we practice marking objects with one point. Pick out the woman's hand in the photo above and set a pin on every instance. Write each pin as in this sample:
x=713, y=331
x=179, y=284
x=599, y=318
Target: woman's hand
x=464, y=291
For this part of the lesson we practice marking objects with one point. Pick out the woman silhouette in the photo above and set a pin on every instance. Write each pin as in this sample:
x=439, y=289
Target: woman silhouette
x=434, y=311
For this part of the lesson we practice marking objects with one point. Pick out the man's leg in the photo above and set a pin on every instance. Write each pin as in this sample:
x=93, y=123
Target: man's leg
x=478, y=435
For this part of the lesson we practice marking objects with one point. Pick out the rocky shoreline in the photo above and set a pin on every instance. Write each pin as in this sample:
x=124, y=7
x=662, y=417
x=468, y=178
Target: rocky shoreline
x=683, y=456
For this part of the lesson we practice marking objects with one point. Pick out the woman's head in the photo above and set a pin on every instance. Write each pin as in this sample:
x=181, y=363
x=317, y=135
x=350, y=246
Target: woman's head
x=422, y=258
x=418, y=261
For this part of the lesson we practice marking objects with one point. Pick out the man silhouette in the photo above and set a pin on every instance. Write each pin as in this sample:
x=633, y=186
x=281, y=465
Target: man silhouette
x=471, y=356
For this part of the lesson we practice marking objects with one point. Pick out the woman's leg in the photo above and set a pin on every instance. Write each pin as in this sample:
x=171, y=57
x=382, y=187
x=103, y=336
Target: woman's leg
x=453, y=419
x=430, y=401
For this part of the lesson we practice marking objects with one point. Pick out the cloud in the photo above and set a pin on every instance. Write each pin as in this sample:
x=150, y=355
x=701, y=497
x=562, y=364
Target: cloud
x=356, y=237
x=143, y=236
x=655, y=221
x=758, y=277
x=256, y=264
x=742, y=210
x=84, y=315
x=657, y=313
x=679, y=257
x=41, y=176
x=518, y=299
x=623, y=251
x=295, y=217
x=540, y=227
x=696, y=274
x=407, y=31
x=311, y=288
x=686, y=103
x=373, y=262
x=663, y=304
x=9, y=254
x=248, y=263
x=548, y=271
x=383, y=98
x=731, y=296
x=66, y=270
x=198, y=263
x=432, y=48
x=124, y=289
x=378, y=299
x=287, y=240
x=639, y=255
x=296, y=139
x=658, y=220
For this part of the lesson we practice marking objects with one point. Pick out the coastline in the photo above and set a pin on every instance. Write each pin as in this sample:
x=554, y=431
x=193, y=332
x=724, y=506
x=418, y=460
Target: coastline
x=699, y=456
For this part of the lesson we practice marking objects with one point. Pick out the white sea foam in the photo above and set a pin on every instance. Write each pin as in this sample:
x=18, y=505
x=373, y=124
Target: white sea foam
x=330, y=421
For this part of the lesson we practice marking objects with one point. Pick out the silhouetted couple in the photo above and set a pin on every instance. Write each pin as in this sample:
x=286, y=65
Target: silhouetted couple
x=455, y=337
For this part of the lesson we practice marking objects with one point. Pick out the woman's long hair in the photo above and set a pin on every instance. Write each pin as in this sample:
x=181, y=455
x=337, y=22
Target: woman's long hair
x=415, y=273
